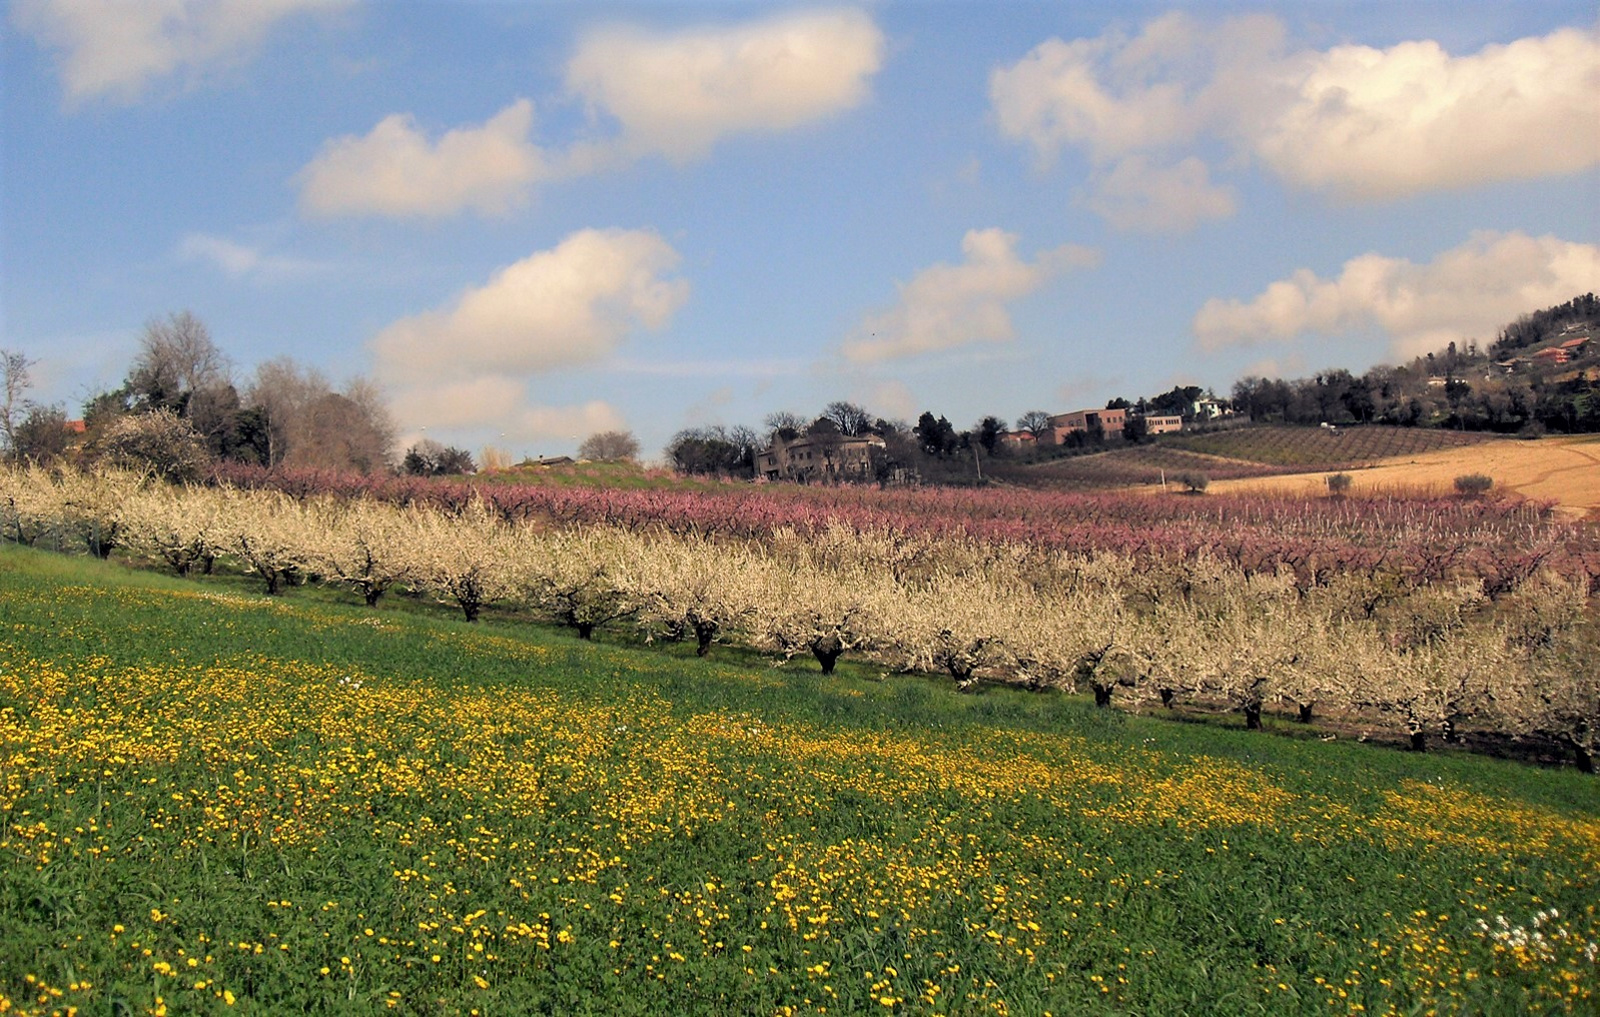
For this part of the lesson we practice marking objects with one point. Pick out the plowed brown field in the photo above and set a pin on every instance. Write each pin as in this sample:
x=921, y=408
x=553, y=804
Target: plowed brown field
x=1565, y=470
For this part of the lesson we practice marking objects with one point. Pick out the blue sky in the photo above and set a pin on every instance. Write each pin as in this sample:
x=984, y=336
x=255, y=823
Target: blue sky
x=533, y=221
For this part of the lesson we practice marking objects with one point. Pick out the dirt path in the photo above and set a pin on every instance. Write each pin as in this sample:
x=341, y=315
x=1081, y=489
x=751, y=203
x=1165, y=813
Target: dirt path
x=1565, y=470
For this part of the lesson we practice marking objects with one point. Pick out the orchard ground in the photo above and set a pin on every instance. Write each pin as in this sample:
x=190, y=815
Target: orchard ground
x=216, y=801
x=1564, y=470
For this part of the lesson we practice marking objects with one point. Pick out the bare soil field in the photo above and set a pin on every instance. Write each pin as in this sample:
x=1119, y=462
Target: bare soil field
x=1565, y=470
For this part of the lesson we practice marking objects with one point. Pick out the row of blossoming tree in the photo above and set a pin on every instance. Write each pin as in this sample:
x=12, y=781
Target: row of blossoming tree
x=1461, y=649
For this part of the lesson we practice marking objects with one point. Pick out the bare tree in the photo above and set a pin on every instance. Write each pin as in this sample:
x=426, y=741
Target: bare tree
x=282, y=390
x=309, y=424
x=1035, y=422
x=15, y=379
x=176, y=360
x=850, y=419
x=610, y=446
x=786, y=424
x=344, y=431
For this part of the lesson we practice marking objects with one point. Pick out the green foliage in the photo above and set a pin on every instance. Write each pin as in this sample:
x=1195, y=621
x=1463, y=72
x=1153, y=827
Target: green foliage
x=1473, y=485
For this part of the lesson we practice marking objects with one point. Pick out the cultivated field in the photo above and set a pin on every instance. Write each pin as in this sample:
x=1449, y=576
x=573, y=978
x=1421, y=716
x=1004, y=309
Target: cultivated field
x=215, y=801
x=1245, y=452
x=1562, y=470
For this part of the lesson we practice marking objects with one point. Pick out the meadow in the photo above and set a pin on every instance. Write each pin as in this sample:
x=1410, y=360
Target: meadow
x=217, y=801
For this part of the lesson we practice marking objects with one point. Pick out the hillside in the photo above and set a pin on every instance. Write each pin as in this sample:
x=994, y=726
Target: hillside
x=1259, y=450
x=215, y=800
x=1563, y=470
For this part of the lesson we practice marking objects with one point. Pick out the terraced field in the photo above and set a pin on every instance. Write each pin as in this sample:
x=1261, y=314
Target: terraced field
x=1319, y=448
x=1248, y=452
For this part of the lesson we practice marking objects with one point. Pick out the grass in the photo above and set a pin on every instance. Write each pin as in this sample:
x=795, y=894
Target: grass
x=216, y=802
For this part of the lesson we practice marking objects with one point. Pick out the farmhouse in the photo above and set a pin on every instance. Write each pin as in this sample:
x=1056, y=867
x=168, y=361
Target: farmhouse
x=1163, y=424
x=820, y=459
x=1107, y=422
x=1551, y=355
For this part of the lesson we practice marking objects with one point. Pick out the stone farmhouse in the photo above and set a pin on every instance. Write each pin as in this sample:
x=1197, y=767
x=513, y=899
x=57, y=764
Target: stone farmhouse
x=821, y=460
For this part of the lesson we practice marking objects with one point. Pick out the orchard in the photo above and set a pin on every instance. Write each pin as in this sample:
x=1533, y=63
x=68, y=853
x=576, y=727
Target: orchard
x=1428, y=621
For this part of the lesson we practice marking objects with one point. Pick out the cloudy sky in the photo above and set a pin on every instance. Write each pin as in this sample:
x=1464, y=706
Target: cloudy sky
x=534, y=220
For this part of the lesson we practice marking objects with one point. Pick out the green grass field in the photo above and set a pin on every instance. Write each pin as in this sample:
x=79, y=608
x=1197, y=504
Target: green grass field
x=214, y=802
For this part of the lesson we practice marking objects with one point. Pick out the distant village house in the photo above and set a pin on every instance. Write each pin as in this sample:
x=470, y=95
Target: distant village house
x=1108, y=422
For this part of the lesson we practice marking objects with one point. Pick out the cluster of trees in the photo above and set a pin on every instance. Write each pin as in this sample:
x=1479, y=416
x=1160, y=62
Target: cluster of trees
x=180, y=394
x=1461, y=387
x=1430, y=658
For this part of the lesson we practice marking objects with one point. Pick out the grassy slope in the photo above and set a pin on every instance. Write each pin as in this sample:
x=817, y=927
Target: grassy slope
x=328, y=809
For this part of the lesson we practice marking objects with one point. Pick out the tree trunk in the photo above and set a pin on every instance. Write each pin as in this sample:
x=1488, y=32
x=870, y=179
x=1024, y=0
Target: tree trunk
x=372, y=594
x=1585, y=759
x=274, y=580
x=585, y=629
x=1102, y=695
x=1252, y=718
x=1166, y=698
x=1419, y=741
x=470, y=608
x=704, y=633
x=826, y=655
x=1305, y=712
x=1451, y=735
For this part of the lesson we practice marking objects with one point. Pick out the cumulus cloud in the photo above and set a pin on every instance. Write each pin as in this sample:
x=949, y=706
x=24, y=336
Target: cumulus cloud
x=503, y=406
x=946, y=306
x=116, y=48
x=1467, y=291
x=569, y=305
x=677, y=93
x=472, y=364
x=396, y=170
x=1353, y=121
x=1136, y=195
x=1369, y=123
x=1117, y=94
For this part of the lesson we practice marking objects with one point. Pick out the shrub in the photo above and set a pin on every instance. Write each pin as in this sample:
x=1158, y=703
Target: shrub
x=1473, y=485
x=1194, y=483
x=1339, y=484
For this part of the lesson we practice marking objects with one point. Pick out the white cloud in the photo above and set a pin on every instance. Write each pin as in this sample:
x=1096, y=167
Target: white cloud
x=677, y=93
x=1374, y=124
x=1466, y=292
x=946, y=306
x=1136, y=195
x=1353, y=121
x=117, y=47
x=1114, y=95
x=395, y=170
x=241, y=260
x=569, y=305
x=499, y=406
